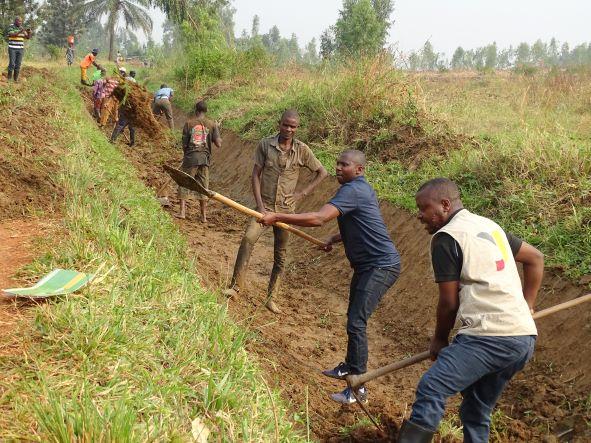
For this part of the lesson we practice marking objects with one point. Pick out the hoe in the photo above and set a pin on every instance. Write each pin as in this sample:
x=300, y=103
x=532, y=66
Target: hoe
x=186, y=181
x=355, y=381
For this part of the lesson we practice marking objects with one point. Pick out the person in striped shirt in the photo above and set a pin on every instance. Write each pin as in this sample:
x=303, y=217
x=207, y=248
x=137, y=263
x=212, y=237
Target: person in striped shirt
x=16, y=47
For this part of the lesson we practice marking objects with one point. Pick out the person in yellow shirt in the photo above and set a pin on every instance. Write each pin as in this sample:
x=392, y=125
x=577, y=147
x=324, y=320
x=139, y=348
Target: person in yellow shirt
x=85, y=64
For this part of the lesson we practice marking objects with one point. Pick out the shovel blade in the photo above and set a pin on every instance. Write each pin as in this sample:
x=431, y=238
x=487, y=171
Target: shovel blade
x=186, y=181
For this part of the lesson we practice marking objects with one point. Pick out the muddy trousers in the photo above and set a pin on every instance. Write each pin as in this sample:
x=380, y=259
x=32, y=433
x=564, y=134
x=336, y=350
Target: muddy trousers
x=15, y=58
x=251, y=236
x=122, y=123
x=477, y=366
x=365, y=292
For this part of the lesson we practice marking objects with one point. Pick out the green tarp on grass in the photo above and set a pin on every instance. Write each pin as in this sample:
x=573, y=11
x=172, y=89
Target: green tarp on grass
x=57, y=282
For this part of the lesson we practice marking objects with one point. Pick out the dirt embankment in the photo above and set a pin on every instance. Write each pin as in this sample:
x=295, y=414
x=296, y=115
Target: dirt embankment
x=29, y=199
x=309, y=335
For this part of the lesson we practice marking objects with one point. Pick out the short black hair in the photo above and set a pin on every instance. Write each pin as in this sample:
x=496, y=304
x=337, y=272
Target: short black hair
x=201, y=106
x=441, y=188
x=357, y=156
x=163, y=85
x=132, y=73
x=290, y=113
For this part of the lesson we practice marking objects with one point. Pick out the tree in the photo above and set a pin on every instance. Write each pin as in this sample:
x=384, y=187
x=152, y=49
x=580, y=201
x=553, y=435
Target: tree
x=310, y=56
x=539, y=52
x=523, y=54
x=564, y=54
x=94, y=37
x=359, y=29
x=10, y=9
x=226, y=16
x=181, y=10
x=504, y=58
x=254, y=30
x=61, y=18
x=457, y=60
x=294, y=48
x=170, y=34
x=553, y=52
x=428, y=57
x=132, y=11
x=384, y=9
x=128, y=43
x=490, y=56
x=272, y=39
x=328, y=45
x=414, y=61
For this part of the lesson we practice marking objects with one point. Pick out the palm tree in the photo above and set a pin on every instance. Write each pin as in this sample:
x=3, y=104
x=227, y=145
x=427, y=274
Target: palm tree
x=132, y=11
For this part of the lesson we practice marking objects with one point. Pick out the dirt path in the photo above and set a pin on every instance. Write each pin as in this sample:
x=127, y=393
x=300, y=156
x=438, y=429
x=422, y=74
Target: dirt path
x=309, y=335
x=17, y=248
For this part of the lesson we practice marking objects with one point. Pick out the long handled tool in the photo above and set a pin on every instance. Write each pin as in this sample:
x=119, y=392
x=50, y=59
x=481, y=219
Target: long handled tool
x=357, y=380
x=186, y=181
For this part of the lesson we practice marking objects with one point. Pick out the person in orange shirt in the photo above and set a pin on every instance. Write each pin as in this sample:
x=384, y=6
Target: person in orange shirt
x=85, y=64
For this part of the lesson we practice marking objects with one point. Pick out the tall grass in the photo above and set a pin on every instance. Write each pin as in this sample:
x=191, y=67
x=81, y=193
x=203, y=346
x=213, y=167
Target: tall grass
x=519, y=147
x=145, y=350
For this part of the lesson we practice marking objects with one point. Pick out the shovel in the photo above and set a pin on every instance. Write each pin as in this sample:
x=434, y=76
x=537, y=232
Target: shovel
x=357, y=380
x=186, y=181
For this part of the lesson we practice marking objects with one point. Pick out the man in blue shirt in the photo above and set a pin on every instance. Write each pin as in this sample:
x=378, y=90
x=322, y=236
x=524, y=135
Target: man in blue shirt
x=162, y=98
x=373, y=257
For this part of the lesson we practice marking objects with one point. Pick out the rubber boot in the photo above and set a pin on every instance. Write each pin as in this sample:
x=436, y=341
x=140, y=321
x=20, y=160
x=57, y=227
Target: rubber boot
x=131, y=136
x=273, y=289
x=16, y=73
x=116, y=131
x=413, y=433
x=9, y=77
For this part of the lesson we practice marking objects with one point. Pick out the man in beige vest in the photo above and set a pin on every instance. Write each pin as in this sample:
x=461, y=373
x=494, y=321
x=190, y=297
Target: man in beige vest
x=474, y=262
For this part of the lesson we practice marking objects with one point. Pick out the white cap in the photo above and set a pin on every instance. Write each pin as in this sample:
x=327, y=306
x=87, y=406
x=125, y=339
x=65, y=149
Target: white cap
x=122, y=69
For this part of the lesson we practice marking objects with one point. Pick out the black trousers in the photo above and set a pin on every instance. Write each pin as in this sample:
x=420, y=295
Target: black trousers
x=366, y=290
x=15, y=58
x=121, y=124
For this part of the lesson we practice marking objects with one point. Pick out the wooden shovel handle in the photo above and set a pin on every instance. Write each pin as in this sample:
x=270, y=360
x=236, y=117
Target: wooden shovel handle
x=357, y=380
x=246, y=210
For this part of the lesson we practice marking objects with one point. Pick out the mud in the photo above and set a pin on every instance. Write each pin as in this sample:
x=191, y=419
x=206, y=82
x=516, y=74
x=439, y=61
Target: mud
x=309, y=335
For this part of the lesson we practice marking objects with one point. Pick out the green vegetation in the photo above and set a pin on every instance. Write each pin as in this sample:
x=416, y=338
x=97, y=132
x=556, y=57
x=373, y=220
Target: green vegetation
x=143, y=352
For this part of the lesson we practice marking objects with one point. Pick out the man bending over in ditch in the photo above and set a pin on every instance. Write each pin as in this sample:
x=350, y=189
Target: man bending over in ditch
x=373, y=257
x=277, y=163
x=474, y=262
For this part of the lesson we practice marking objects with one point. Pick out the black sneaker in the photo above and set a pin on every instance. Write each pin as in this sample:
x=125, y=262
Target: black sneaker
x=339, y=372
x=346, y=396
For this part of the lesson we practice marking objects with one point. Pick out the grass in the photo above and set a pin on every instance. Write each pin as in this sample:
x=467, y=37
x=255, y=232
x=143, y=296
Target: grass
x=519, y=147
x=145, y=351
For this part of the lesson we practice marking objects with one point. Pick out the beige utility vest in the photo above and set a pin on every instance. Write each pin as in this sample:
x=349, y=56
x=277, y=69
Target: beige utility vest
x=491, y=296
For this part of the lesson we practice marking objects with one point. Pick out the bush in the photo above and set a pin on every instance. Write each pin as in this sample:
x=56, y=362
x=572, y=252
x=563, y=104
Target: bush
x=55, y=52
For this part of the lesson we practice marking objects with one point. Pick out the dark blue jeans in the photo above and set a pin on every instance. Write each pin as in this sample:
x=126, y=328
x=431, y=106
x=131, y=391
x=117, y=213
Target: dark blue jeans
x=477, y=366
x=15, y=58
x=122, y=123
x=366, y=290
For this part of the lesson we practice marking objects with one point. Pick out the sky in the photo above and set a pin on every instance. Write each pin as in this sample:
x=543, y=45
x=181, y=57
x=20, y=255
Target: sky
x=447, y=24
